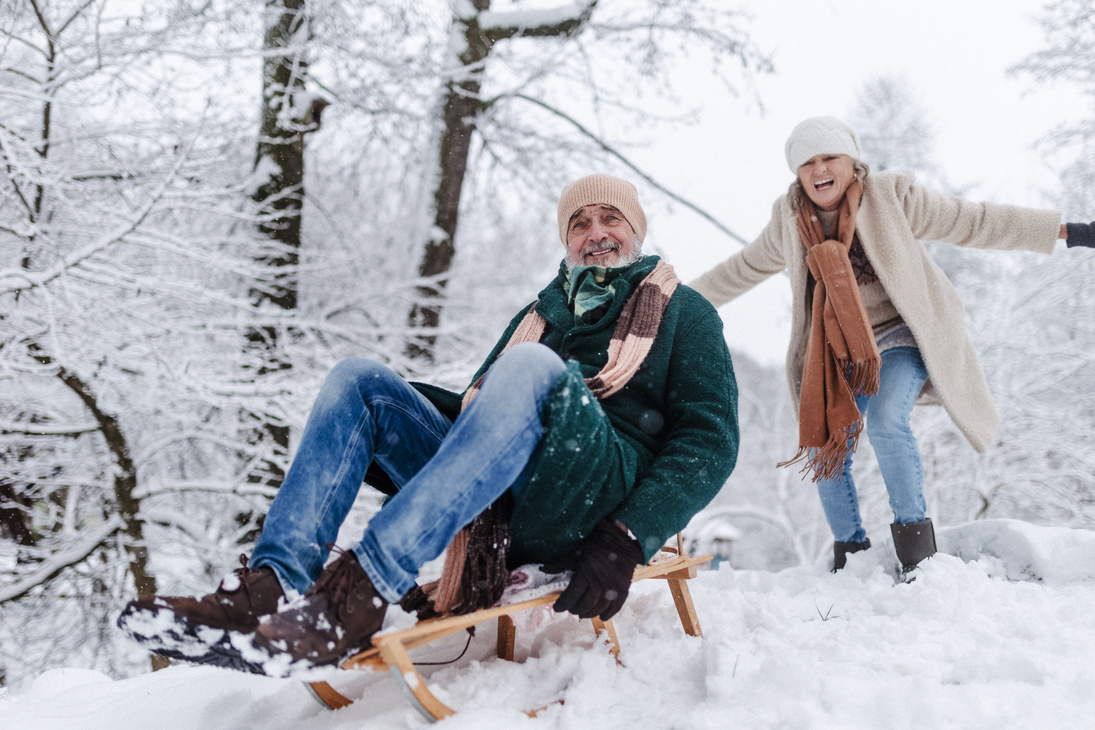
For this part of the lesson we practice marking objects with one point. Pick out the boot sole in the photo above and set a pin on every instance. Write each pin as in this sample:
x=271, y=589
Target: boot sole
x=165, y=633
x=282, y=665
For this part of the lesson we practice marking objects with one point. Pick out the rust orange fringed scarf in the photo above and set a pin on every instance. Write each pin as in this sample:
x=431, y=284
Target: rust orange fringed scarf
x=474, y=572
x=842, y=358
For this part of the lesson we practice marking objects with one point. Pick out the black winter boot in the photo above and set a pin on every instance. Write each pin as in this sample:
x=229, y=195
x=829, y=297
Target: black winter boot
x=913, y=543
x=335, y=619
x=841, y=551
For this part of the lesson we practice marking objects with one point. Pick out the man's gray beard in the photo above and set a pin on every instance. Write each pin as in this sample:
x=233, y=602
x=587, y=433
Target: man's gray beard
x=635, y=255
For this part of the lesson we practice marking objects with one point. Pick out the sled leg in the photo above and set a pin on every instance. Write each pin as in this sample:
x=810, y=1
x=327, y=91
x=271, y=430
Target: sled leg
x=411, y=682
x=599, y=626
x=328, y=696
x=507, y=637
x=682, y=598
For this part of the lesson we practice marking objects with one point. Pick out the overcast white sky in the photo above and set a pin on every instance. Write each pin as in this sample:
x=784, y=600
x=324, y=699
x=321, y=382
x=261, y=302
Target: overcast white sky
x=955, y=55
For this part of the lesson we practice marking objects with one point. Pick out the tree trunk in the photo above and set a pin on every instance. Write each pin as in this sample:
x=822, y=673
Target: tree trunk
x=280, y=143
x=462, y=107
x=127, y=505
x=13, y=519
x=280, y=154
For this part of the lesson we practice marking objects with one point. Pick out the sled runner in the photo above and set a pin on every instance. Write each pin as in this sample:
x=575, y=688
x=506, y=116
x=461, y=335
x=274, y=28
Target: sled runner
x=390, y=651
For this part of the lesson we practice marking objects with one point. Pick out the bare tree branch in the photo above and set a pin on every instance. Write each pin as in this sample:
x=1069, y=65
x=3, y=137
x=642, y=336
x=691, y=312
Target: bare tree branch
x=645, y=176
x=61, y=560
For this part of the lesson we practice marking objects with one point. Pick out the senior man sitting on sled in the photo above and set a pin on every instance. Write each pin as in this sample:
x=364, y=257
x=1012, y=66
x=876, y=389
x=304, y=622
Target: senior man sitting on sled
x=602, y=421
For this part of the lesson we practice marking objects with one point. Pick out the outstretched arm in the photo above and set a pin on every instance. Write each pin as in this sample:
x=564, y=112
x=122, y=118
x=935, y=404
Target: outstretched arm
x=748, y=267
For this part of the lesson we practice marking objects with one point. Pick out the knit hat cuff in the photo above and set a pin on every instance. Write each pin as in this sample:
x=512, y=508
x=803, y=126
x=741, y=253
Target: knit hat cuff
x=601, y=189
x=821, y=136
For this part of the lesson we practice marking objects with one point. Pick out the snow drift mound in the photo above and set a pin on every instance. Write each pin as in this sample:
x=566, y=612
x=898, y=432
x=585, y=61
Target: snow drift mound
x=1018, y=550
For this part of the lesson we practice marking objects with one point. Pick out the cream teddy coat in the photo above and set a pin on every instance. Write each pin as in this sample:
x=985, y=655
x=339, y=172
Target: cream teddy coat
x=894, y=216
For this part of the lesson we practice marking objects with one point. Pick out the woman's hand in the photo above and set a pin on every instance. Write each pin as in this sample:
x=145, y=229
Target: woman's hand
x=1078, y=234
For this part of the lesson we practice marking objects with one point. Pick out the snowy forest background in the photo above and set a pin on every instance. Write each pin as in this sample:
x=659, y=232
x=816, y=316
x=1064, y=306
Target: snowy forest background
x=205, y=204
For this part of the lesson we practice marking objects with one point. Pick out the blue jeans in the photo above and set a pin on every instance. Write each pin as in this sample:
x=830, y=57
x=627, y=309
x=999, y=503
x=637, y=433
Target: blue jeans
x=888, y=413
x=447, y=472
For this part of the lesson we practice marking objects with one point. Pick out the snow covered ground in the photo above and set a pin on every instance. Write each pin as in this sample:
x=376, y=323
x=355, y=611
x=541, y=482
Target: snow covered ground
x=998, y=632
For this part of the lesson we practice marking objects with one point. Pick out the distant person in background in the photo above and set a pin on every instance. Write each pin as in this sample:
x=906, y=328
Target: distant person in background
x=876, y=326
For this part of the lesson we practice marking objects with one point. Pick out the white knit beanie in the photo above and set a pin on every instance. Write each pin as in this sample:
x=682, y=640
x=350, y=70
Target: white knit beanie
x=601, y=189
x=821, y=136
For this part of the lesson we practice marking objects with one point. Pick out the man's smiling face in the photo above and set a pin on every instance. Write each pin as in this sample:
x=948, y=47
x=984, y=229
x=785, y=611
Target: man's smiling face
x=599, y=235
x=826, y=178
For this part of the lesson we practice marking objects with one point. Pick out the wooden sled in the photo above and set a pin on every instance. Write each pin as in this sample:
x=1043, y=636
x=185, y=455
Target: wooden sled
x=390, y=651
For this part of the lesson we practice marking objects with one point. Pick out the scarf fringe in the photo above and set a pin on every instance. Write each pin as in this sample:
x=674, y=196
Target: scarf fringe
x=862, y=377
x=474, y=573
x=827, y=462
x=437, y=597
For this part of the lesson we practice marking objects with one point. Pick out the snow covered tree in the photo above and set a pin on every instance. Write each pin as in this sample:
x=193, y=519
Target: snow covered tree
x=124, y=268
x=464, y=102
x=551, y=64
x=1069, y=30
x=288, y=113
x=1030, y=319
x=894, y=130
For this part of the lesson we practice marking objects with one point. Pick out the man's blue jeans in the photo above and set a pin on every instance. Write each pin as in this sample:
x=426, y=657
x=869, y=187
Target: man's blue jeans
x=888, y=415
x=447, y=472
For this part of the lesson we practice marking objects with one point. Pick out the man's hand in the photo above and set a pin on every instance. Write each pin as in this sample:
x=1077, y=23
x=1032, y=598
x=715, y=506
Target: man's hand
x=603, y=567
x=1080, y=234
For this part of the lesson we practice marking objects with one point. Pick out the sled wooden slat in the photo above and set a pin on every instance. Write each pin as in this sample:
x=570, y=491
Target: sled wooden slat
x=390, y=651
x=507, y=638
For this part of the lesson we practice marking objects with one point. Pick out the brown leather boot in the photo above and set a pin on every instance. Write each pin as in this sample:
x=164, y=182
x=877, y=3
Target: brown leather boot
x=336, y=618
x=199, y=630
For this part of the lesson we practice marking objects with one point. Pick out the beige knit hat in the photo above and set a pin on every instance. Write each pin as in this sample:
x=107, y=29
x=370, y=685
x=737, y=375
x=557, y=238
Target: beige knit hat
x=604, y=190
x=821, y=136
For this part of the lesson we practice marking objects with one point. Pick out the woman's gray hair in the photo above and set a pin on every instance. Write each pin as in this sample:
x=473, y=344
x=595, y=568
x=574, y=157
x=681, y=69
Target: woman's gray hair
x=796, y=194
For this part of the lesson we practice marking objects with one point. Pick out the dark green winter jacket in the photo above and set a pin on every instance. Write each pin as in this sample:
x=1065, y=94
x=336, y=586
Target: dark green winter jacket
x=669, y=442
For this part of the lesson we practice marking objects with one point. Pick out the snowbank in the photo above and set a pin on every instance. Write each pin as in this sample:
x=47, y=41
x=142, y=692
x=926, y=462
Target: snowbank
x=999, y=633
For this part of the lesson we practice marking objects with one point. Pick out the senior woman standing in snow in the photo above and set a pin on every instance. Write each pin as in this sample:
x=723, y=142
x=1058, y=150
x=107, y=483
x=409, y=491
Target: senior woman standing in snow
x=875, y=323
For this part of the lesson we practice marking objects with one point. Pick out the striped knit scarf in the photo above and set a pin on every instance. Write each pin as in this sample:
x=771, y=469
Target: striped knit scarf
x=474, y=574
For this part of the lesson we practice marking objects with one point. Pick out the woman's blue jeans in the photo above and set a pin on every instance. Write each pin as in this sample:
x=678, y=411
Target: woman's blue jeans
x=447, y=472
x=888, y=415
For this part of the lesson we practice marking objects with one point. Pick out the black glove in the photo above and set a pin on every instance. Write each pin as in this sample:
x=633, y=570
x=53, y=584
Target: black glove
x=1080, y=234
x=603, y=567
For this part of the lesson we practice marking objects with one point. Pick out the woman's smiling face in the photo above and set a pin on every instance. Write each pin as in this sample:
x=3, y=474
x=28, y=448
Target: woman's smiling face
x=826, y=178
